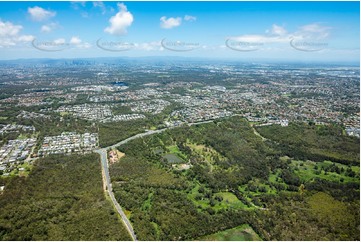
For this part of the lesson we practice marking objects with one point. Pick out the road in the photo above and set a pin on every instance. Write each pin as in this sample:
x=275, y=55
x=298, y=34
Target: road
x=151, y=132
x=104, y=161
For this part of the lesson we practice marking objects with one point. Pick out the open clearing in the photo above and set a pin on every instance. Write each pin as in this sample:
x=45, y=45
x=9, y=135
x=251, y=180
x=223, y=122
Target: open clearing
x=241, y=233
x=172, y=158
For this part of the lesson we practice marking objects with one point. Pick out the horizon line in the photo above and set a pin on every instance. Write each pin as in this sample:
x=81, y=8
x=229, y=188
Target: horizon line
x=245, y=60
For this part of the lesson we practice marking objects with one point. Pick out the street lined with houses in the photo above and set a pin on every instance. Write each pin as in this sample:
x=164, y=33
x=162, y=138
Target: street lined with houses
x=69, y=142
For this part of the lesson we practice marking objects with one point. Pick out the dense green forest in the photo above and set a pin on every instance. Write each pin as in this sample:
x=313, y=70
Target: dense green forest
x=225, y=176
x=216, y=180
x=61, y=199
x=314, y=142
x=111, y=133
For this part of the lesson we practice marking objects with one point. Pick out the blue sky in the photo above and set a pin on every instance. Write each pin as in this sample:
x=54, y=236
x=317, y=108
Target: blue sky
x=305, y=31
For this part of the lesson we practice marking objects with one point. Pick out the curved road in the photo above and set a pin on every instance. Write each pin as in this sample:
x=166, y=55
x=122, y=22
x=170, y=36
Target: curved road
x=104, y=161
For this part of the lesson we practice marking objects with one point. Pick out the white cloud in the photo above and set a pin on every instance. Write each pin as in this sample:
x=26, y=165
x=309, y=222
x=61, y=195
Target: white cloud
x=25, y=38
x=279, y=34
x=40, y=14
x=170, y=22
x=190, y=18
x=314, y=28
x=46, y=28
x=261, y=38
x=120, y=21
x=78, y=43
x=277, y=30
x=8, y=29
x=313, y=31
x=75, y=40
x=149, y=46
x=10, y=34
x=60, y=41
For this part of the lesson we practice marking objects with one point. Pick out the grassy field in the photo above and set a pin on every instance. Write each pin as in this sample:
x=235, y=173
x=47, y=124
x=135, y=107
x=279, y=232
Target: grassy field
x=203, y=203
x=273, y=177
x=208, y=153
x=308, y=170
x=229, y=201
x=269, y=189
x=27, y=168
x=241, y=233
x=175, y=150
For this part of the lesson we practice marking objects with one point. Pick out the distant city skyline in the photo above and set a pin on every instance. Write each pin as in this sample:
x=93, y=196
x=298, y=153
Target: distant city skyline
x=297, y=31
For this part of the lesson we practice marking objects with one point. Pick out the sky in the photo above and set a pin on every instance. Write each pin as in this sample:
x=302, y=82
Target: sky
x=300, y=31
